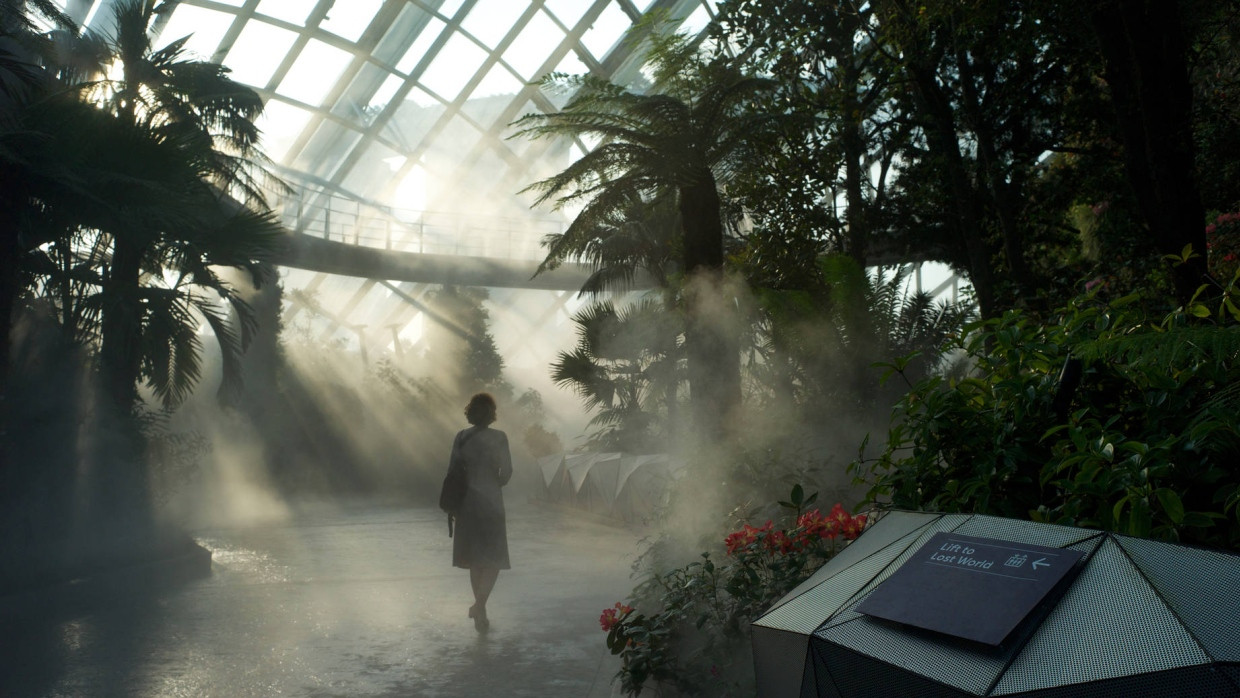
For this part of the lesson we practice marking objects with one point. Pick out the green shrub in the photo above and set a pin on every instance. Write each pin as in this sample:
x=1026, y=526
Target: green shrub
x=687, y=630
x=1146, y=445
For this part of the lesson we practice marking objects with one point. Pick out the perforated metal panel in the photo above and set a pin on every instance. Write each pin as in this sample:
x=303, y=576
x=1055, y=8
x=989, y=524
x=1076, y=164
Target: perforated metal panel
x=1109, y=624
x=816, y=605
x=851, y=675
x=1193, y=682
x=968, y=666
x=779, y=659
x=1207, y=600
x=1048, y=535
x=888, y=530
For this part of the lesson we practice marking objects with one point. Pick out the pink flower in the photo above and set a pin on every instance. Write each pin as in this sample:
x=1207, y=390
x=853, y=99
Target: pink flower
x=611, y=617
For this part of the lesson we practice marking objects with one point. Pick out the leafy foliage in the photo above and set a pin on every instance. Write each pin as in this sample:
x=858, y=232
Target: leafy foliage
x=688, y=629
x=1146, y=445
x=626, y=366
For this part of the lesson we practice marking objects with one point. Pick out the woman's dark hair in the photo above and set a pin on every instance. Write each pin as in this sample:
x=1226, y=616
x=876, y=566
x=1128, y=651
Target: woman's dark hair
x=481, y=409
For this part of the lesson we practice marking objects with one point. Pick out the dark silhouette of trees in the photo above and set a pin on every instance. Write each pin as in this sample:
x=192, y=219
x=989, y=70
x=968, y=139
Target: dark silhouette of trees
x=694, y=129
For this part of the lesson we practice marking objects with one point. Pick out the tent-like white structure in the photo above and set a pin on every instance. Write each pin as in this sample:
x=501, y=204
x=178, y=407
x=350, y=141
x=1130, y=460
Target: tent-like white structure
x=1141, y=619
x=618, y=485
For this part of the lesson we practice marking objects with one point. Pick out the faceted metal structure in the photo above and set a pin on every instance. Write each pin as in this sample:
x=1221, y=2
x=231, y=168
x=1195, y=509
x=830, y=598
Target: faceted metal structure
x=1143, y=619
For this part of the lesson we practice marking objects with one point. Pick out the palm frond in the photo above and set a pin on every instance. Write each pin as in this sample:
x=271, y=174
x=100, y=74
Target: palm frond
x=172, y=352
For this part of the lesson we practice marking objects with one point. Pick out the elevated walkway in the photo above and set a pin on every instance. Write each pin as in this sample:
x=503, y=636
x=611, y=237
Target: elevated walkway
x=331, y=257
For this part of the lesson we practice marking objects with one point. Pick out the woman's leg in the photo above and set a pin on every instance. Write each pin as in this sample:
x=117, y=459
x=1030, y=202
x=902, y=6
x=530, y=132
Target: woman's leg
x=483, y=581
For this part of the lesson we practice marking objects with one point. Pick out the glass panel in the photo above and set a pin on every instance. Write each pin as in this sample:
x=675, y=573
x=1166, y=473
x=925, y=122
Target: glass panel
x=398, y=35
x=294, y=11
x=697, y=21
x=498, y=81
x=384, y=94
x=314, y=73
x=281, y=123
x=520, y=146
x=568, y=11
x=420, y=45
x=411, y=122
x=205, y=28
x=448, y=8
x=410, y=194
x=606, y=31
x=350, y=21
x=530, y=49
x=357, y=101
x=491, y=20
x=371, y=173
x=257, y=53
x=453, y=67
x=326, y=149
x=572, y=65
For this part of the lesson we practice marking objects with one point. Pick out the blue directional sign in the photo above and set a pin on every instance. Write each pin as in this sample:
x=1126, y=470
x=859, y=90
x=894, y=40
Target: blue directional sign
x=975, y=588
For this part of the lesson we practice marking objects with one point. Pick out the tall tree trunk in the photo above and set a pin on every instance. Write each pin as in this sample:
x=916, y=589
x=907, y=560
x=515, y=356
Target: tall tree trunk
x=944, y=144
x=121, y=326
x=996, y=180
x=711, y=343
x=1146, y=68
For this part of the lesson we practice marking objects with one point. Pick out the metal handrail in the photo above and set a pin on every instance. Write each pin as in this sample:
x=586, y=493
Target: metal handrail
x=338, y=218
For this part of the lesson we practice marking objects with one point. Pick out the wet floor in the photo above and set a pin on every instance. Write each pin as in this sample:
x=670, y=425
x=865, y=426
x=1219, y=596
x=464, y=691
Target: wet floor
x=345, y=603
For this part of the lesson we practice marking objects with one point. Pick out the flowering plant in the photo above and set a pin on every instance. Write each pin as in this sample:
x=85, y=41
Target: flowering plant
x=693, y=640
x=1223, y=246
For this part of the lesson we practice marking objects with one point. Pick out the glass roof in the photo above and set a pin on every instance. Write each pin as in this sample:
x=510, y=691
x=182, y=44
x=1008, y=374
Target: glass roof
x=406, y=103
x=390, y=120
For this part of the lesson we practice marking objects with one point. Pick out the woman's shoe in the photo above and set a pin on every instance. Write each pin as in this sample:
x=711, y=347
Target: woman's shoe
x=471, y=611
x=481, y=624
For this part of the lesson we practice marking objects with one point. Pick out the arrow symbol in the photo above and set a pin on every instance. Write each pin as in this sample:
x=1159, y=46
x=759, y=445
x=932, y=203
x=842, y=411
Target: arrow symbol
x=1040, y=561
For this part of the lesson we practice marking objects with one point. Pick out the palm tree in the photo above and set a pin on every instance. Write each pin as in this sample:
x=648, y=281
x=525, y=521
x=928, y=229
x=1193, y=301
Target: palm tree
x=679, y=141
x=625, y=366
x=639, y=238
x=194, y=108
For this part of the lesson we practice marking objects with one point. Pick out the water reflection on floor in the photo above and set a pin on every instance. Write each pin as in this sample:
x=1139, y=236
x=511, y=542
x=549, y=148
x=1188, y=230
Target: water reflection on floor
x=356, y=603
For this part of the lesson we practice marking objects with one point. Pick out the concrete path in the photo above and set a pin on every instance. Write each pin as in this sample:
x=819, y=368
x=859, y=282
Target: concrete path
x=359, y=602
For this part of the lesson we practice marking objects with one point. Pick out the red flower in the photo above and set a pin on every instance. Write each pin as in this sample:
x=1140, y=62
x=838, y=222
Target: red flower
x=611, y=617
x=747, y=536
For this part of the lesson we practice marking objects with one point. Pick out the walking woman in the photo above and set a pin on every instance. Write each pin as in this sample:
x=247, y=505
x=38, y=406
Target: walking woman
x=481, y=541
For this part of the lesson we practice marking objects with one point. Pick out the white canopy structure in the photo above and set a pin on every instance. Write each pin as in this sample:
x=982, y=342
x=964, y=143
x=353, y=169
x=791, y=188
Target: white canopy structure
x=618, y=485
